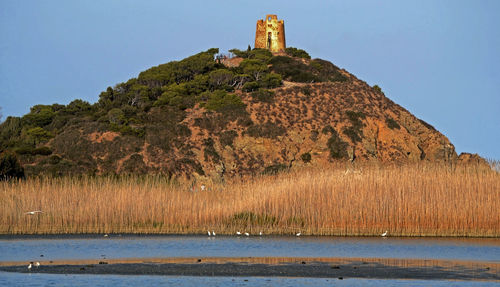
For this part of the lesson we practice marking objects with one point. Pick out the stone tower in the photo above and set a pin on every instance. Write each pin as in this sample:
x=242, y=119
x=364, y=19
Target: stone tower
x=270, y=34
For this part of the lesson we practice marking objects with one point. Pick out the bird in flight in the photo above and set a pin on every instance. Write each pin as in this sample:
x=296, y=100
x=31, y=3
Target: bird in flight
x=33, y=212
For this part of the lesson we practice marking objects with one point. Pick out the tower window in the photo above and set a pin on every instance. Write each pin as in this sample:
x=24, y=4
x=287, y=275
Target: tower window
x=269, y=19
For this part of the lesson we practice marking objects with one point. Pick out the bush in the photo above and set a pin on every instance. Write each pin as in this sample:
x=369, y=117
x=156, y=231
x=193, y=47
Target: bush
x=227, y=138
x=377, y=89
x=250, y=86
x=337, y=147
x=306, y=157
x=299, y=53
x=274, y=169
x=210, y=152
x=392, y=124
x=10, y=167
x=221, y=100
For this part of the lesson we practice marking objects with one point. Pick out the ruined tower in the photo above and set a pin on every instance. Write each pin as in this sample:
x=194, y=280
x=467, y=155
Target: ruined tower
x=270, y=34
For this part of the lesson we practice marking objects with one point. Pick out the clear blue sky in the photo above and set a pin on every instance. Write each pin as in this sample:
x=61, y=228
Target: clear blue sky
x=438, y=59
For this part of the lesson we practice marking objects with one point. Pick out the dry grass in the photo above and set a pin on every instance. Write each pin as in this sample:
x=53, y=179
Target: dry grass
x=416, y=200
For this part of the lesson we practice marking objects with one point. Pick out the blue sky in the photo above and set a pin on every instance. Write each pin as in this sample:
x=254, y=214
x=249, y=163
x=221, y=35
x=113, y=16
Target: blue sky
x=438, y=59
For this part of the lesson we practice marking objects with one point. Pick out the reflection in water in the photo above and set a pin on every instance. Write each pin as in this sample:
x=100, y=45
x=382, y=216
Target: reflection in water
x=94, y=247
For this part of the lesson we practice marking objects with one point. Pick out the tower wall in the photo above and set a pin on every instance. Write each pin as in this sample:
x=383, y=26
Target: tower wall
x=270, y=34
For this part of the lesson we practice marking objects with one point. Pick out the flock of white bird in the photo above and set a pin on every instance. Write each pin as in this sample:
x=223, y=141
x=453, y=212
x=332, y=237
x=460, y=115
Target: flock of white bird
x=245, y=233
x=37, y=264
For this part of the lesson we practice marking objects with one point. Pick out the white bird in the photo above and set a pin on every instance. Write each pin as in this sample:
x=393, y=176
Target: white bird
x=260, y=233
x=384, y=234
x=298, y=234
x=203, y=187
x=213, y=233
x=37, y=264
x=238, y=233
x=106, y=235
x=33, y=212
x=31, y=265
x=209, y=233
x=247, y=234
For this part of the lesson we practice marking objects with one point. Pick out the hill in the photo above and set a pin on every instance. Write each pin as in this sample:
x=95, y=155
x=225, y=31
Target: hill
x=208, y=115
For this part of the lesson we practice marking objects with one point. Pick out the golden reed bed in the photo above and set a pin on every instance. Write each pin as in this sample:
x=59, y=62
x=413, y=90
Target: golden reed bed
x=409, y=200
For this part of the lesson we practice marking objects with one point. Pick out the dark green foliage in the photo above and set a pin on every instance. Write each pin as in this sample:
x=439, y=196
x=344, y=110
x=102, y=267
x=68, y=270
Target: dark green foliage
x=377, y=89
x=305, y=157
x=267, y=130
x=135, y=164
x=275, y=168
x=354, y=132
x=250, y=86
x=209, y=151
x=10, y=167
x=337, y=147
x=39, y=116
x=270, y=81
x=299, y=53
x=293, y=70
x=327, y=130
x=314, y=135
x=263, y=55
x=296, y=71
x=227, y=138
x=220, y=100
x=44, y=150
x=179, y=72
x=392, y=124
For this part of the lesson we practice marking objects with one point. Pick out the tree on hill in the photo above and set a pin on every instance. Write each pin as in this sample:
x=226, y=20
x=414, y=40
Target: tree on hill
x=10, y=167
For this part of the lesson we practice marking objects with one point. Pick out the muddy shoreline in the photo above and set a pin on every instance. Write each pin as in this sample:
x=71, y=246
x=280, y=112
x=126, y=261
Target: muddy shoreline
x=298, y=268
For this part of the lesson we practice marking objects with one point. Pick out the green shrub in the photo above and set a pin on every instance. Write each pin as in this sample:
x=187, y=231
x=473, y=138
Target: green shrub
x=352, y=133
x=305, y=157
x=210, y=152
x=274, y=169
x=270, y=81
x=327, y=130
x=227, y=138
x=299, y=53
x=250, y=86
x=337, y=147
x=10, y=167
x=220, y=100
x=377, y=89
x=392, y=124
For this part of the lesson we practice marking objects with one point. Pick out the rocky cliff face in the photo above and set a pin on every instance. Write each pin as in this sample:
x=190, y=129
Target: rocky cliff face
x=298, y=112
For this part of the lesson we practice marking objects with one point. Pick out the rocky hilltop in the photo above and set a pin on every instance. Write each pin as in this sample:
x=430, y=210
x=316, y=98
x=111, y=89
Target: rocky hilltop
x=209, y=115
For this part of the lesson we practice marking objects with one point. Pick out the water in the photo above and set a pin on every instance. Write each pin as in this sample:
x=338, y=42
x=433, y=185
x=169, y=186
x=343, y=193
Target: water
x=114, y=247
x=17, y=279
x=28, y=248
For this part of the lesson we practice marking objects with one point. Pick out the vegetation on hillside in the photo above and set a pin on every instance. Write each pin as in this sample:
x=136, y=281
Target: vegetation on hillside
x=150, y=109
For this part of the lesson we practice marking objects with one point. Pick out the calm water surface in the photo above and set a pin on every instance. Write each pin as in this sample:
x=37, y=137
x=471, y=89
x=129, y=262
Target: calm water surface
x=30, y=248
x=16, y=279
